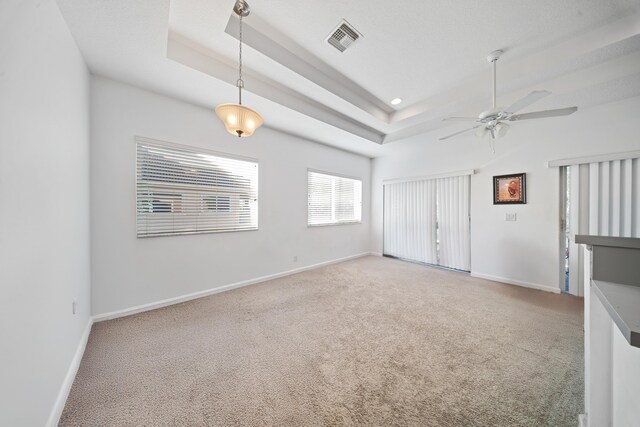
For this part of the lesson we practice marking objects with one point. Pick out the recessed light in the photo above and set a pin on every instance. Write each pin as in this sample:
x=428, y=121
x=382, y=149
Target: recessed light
x=396, y=101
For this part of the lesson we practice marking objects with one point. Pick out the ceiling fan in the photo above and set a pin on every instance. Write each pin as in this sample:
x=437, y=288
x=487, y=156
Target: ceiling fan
x=494, y=121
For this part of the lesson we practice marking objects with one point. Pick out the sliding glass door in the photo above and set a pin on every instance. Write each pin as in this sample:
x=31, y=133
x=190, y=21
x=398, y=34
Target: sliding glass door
x=600, y=198
x=454, y=250
x=410, y=221
x=428, y=221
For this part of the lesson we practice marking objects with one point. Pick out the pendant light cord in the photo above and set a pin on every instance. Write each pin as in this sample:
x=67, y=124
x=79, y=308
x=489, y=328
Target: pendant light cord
x=240, y=82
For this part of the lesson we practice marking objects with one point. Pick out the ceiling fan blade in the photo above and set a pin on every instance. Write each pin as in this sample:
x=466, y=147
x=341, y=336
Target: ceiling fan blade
x=545, y=113
x=534, y=96
x=460, y=119
x=458, y=133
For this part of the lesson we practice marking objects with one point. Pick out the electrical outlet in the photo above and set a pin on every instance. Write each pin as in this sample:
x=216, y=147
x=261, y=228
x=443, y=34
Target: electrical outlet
x=74, y=306
x=510, y=217
x=295, y=258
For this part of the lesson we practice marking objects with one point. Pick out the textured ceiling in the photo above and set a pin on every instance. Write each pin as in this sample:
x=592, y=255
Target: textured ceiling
x=431, y=54
x=7, y=8
x=415, y=49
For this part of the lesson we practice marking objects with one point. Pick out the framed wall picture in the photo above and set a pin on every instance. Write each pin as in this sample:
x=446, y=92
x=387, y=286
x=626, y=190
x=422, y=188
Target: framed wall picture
x=509, y=189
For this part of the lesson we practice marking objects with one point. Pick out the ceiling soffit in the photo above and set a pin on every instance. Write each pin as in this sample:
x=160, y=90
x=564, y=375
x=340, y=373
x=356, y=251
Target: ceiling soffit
x=186, y=49
x=607, y=52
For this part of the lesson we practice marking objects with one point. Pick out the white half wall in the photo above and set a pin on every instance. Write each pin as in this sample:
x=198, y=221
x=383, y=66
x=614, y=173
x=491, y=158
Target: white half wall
x=129, y=272
x=44, y=211
x=527, y=250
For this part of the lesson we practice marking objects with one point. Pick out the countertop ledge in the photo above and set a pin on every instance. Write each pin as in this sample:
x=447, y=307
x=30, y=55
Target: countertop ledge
x=623, y=304
x=616, y=242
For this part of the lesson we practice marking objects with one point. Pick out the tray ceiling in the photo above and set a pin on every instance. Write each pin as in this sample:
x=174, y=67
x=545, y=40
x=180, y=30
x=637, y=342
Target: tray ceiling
x=432, y=55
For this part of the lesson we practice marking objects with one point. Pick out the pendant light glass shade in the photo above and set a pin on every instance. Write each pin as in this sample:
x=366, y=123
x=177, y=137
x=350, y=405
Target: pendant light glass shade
x=239, y=120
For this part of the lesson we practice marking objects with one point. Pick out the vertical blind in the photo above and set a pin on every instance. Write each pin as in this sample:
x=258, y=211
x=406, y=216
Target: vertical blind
x=614, y=197
x=453, y=222
x=183, y=190
x=333, y=199
x=428, y=221
x=604, y=200
x=410, y=221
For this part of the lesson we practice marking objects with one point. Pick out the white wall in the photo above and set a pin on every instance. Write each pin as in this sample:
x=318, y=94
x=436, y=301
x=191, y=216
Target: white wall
x=44, y=208
x=526, y=251
x=127, y=271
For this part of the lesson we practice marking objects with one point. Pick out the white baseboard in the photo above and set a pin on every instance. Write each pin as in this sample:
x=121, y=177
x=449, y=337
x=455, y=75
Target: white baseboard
x=65, y=389
x=61, y=400
x=516, y=282
x=176, y=300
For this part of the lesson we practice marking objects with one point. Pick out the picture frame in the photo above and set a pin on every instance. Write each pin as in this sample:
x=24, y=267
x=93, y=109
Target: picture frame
x=510, y=189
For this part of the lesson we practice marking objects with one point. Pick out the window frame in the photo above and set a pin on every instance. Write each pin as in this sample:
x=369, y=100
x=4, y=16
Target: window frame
x=337, y=175
x=140, y=140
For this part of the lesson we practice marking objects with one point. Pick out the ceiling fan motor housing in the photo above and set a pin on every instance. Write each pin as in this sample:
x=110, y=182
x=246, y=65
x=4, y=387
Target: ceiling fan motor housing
x=489, y=115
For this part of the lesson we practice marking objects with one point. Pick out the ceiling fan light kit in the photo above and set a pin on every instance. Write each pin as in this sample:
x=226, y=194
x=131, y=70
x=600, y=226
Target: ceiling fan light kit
x=238, y=119
x=494, y=121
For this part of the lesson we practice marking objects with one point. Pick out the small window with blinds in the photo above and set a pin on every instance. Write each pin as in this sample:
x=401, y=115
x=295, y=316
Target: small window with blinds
x=333, y=199
x=183, y=190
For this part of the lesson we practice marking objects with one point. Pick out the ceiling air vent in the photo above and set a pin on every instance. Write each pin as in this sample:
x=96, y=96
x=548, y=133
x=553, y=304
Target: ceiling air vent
x=343, y=36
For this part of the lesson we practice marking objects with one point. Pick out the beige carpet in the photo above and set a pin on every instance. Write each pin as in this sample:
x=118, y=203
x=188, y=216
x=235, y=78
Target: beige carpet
x=373, y=341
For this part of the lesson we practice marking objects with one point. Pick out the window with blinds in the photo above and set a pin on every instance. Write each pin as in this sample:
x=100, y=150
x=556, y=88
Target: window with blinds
x=182, y=190
x=333, y=199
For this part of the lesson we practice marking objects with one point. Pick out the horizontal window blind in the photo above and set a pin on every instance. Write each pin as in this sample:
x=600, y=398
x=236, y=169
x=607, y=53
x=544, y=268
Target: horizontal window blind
x=333, y=199
x=182, y=190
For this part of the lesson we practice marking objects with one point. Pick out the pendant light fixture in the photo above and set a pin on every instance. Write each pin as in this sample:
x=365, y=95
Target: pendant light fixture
x=237, y=119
